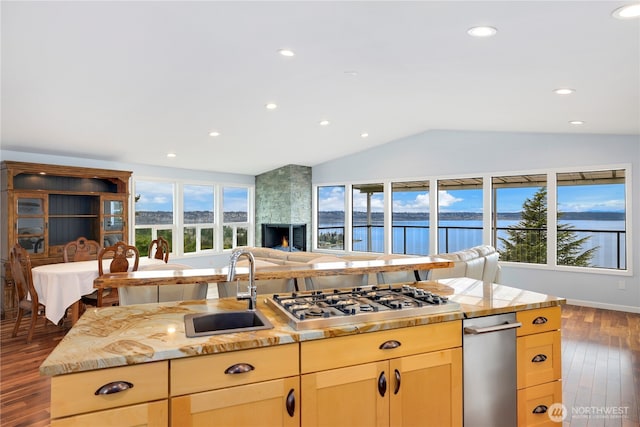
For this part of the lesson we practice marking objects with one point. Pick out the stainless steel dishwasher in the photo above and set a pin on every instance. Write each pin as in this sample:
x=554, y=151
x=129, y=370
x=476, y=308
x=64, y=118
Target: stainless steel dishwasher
x=489, y=369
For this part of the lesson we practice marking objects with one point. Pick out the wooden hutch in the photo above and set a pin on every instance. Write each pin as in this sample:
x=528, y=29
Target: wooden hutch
x=46, y=206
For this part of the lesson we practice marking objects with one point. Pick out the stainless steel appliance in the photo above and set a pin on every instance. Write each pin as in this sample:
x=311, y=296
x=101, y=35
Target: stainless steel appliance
x=489, y=369
x=332, y=307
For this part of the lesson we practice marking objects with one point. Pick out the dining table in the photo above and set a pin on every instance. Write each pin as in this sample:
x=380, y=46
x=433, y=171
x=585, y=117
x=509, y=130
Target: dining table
x=60, y=286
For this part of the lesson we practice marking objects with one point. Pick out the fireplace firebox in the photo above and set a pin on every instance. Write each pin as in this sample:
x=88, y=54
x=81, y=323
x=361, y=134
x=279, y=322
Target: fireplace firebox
x=286, y=237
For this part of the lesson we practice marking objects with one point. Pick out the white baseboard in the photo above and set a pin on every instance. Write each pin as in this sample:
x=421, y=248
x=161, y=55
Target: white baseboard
x=627, y=308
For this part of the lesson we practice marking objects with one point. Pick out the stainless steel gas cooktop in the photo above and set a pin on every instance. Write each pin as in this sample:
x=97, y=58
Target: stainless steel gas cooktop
x=332, y=307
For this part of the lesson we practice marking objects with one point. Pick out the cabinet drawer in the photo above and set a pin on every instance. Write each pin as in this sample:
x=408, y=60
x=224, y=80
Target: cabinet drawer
x=536, y=405
x=75, y=393
x=204, y=373
x=153, y=414
x=539, y=320
x=538, y=358
x=356, y=349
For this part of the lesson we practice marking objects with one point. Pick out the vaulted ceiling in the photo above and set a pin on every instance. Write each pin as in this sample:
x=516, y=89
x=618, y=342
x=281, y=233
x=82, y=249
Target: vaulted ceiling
x=134, y=81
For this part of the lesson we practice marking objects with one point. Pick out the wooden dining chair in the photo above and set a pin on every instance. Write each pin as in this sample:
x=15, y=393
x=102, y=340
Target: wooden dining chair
x=20, y=265
x=159, y=249
x=81, y=249
x=120, y=255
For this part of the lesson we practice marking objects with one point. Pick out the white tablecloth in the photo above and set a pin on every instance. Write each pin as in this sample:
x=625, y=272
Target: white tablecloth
x=60, y=285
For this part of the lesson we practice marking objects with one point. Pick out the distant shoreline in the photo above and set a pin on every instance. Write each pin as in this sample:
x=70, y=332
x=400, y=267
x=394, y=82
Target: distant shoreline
x=335, y=216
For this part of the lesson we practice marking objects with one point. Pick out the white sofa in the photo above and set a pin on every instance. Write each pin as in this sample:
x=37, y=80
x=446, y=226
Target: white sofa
x=479, y=262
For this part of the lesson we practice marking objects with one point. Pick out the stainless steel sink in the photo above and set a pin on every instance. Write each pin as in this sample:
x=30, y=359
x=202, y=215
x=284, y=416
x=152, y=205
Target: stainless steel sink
x=225, y=322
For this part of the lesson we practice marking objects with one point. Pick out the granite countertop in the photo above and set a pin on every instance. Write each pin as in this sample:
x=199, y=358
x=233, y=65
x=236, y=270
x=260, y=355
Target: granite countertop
x=120, y=336
x=478, y=298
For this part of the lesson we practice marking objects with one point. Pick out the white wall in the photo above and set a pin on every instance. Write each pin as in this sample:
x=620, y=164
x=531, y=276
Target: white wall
x=450, y=153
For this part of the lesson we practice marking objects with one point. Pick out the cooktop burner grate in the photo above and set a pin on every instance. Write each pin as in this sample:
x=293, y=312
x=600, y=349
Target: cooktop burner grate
x=333, y=307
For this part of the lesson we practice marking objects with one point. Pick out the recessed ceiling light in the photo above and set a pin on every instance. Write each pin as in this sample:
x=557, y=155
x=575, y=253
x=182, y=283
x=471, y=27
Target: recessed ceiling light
x=271, y=106
x=482, y=31
x=627, y=12
x=564, y=91
x=286, y=52
x=576, y=122
x=171, y=155
x=364, y=135
x=214, y=133
x=351, y=73
x=324, y=123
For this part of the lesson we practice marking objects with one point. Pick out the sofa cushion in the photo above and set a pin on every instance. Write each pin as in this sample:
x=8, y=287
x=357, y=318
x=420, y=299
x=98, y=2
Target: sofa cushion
x=479, y=262
x=475, y=268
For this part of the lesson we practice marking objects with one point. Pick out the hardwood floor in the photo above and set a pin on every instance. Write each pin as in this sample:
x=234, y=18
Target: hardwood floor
x=24, y=394
x=600, y=370
x=600, y=367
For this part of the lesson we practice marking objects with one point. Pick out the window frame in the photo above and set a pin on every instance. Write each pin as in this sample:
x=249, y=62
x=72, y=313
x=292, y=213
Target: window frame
x=488, y=212
x=178, y=227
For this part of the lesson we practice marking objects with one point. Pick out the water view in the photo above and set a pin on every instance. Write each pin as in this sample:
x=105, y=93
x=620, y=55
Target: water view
x=412, y=237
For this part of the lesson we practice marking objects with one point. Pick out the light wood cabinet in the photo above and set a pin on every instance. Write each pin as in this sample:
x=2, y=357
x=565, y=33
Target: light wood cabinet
x=538, y=350
x=270, y=403
x=421, y=386
x=152, y=414
x=239, y=388
x=103, y=395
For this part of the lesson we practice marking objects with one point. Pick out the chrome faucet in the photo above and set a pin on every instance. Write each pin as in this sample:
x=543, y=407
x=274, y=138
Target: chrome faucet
x=252, y=294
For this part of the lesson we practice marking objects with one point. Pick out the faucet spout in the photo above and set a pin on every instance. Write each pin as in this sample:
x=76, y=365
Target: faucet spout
x=253, y=290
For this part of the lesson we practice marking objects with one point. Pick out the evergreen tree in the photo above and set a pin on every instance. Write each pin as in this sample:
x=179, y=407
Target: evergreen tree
x=527, y=241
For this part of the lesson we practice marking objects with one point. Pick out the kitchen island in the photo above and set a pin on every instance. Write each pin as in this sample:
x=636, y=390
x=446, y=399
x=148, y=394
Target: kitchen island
x=278, y=376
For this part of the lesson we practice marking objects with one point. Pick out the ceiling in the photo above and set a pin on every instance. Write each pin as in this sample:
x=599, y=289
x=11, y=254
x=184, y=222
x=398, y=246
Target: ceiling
x=133, y=81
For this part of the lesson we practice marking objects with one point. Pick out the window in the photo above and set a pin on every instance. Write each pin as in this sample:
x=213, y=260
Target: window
x=520, y=219
x=235, y=227
x=591, y=217
x=410, y=217
x=198, y=213
x=331, y=218
x=460, y=208
x=154, y=202
x=368, y=217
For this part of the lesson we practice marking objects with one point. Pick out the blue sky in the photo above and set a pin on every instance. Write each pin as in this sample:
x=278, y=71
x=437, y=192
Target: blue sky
x=601, y=198
x=158, y=196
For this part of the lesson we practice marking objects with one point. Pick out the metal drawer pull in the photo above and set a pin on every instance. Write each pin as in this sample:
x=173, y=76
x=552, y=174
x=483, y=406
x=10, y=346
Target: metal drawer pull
x=291, y=403
x=539, y=358
x=388, y=345
x=474, y=331
x=398, y=378
x=239, y=368
x=540, y=409
x=114, y=387
x=540, y=320
x=382, y=384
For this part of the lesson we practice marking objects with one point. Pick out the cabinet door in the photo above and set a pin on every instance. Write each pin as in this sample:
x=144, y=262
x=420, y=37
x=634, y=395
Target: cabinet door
x=31, y=223
x=352, y=396
x=426, y=389
x=273, y=403
x=153, y=414
x=113, y=216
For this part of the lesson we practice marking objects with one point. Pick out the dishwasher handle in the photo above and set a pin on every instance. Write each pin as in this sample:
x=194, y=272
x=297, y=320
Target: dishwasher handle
x=472, y=330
